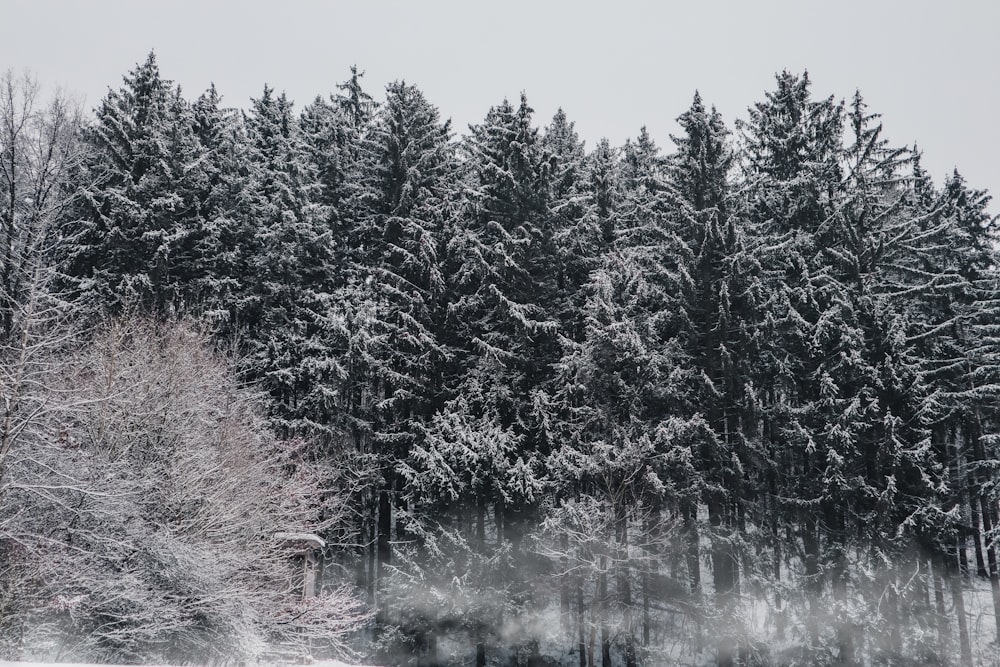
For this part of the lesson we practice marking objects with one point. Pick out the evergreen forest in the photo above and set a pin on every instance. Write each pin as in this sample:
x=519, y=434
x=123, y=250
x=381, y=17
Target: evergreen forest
x=729, y=397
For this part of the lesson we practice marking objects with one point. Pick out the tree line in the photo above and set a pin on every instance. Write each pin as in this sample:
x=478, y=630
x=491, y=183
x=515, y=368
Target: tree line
x=730, y=402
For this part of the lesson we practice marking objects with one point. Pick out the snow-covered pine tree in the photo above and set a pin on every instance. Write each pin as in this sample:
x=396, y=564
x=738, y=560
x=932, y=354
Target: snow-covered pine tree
x=411, y=186
x=333, y=139
x=581, y=205
x=622, y=411
x=723, y=342
x=336, y=138
x=135, y=235
x=408, y=190
x=928, y=337
x=791, y=152
x=292, y=335
x=602, y=186
x=503, y=272
x=889, y=508
x=502, y=281
x=624, y=452
x=226, y=246
x=965, y=364
x=573, y=227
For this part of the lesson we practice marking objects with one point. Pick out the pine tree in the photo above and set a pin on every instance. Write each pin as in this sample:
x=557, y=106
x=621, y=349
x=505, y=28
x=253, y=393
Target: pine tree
x=408, y=188
x=626, y=445
x=571, y=221
x=502, y=273
x=226, y=246
x=880, y=386
x=502, y=284
x=622, y=412
x=139, y=221
x=338, y=151
x=723, y=315
x=333, y=146
x=970, y=371
x=412, y=186
x=792, y=158
x=293, y=333
x=602, y=188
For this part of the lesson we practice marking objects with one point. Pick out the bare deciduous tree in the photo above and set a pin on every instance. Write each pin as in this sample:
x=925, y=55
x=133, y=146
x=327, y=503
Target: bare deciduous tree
x=143, y=509
x=39, y=151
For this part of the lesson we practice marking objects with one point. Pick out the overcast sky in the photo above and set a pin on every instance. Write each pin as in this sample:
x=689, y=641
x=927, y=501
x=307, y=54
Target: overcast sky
x=931, y=68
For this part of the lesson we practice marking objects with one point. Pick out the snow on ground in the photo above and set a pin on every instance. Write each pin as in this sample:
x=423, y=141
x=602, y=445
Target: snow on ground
x=63, y=664
x=3, y=663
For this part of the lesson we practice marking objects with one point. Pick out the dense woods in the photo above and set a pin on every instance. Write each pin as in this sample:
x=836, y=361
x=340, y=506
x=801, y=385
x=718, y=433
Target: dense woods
x=730, y=400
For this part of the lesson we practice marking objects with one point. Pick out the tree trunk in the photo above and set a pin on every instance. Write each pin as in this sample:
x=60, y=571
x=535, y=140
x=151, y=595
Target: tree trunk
x=361, y=548
x=581, y=625
x=371, y=560
x=383, y=556
x=591, y=650
x=944, y=635
x=722, y=577
x=498, y=521
x=650, y=567
x=958, y=601
x=991, y=558
x=602, y=586
x=892, y=613
x=646, y=619
x=964, y=503
x=810, y=544
x=384, y=544
x=432, y=649
x=977, y=542
x=401, y=535
x=977, y=536
x=690, y=512
x=564, y=587
x=779, y=613
x=842, y=622
x=481, y=544
x=481, y=525
x=989, y=520
x=625, y=592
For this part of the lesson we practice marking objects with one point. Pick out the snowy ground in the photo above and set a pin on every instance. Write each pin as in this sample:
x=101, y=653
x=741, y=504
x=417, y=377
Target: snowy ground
x=58, y=664
x=318, y=663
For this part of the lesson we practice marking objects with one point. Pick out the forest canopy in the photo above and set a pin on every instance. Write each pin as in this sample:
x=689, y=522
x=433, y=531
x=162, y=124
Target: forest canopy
x=731, y=399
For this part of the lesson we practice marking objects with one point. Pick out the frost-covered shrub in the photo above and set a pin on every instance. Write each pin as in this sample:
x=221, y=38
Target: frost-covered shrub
x=142, y=507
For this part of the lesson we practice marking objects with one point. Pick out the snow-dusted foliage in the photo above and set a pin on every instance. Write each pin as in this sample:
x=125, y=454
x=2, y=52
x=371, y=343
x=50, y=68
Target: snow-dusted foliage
x=732, y=401
x=141, y=498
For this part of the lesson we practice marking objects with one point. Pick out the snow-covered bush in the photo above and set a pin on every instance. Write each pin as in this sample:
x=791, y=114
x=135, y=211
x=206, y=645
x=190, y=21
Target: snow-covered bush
x=141, y=506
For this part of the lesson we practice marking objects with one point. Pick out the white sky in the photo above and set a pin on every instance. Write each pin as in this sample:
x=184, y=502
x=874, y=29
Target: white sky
x=931, y=68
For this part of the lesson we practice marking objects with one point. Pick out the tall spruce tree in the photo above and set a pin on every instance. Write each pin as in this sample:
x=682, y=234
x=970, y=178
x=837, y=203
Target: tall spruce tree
x=967, y=315
x=880, y=389
x=139, y=225
x=410, y=185
x=226, y=245
x=722, y=339
x=573, y=229
x=503, y=278
x=792, y=159
x=293, y=335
